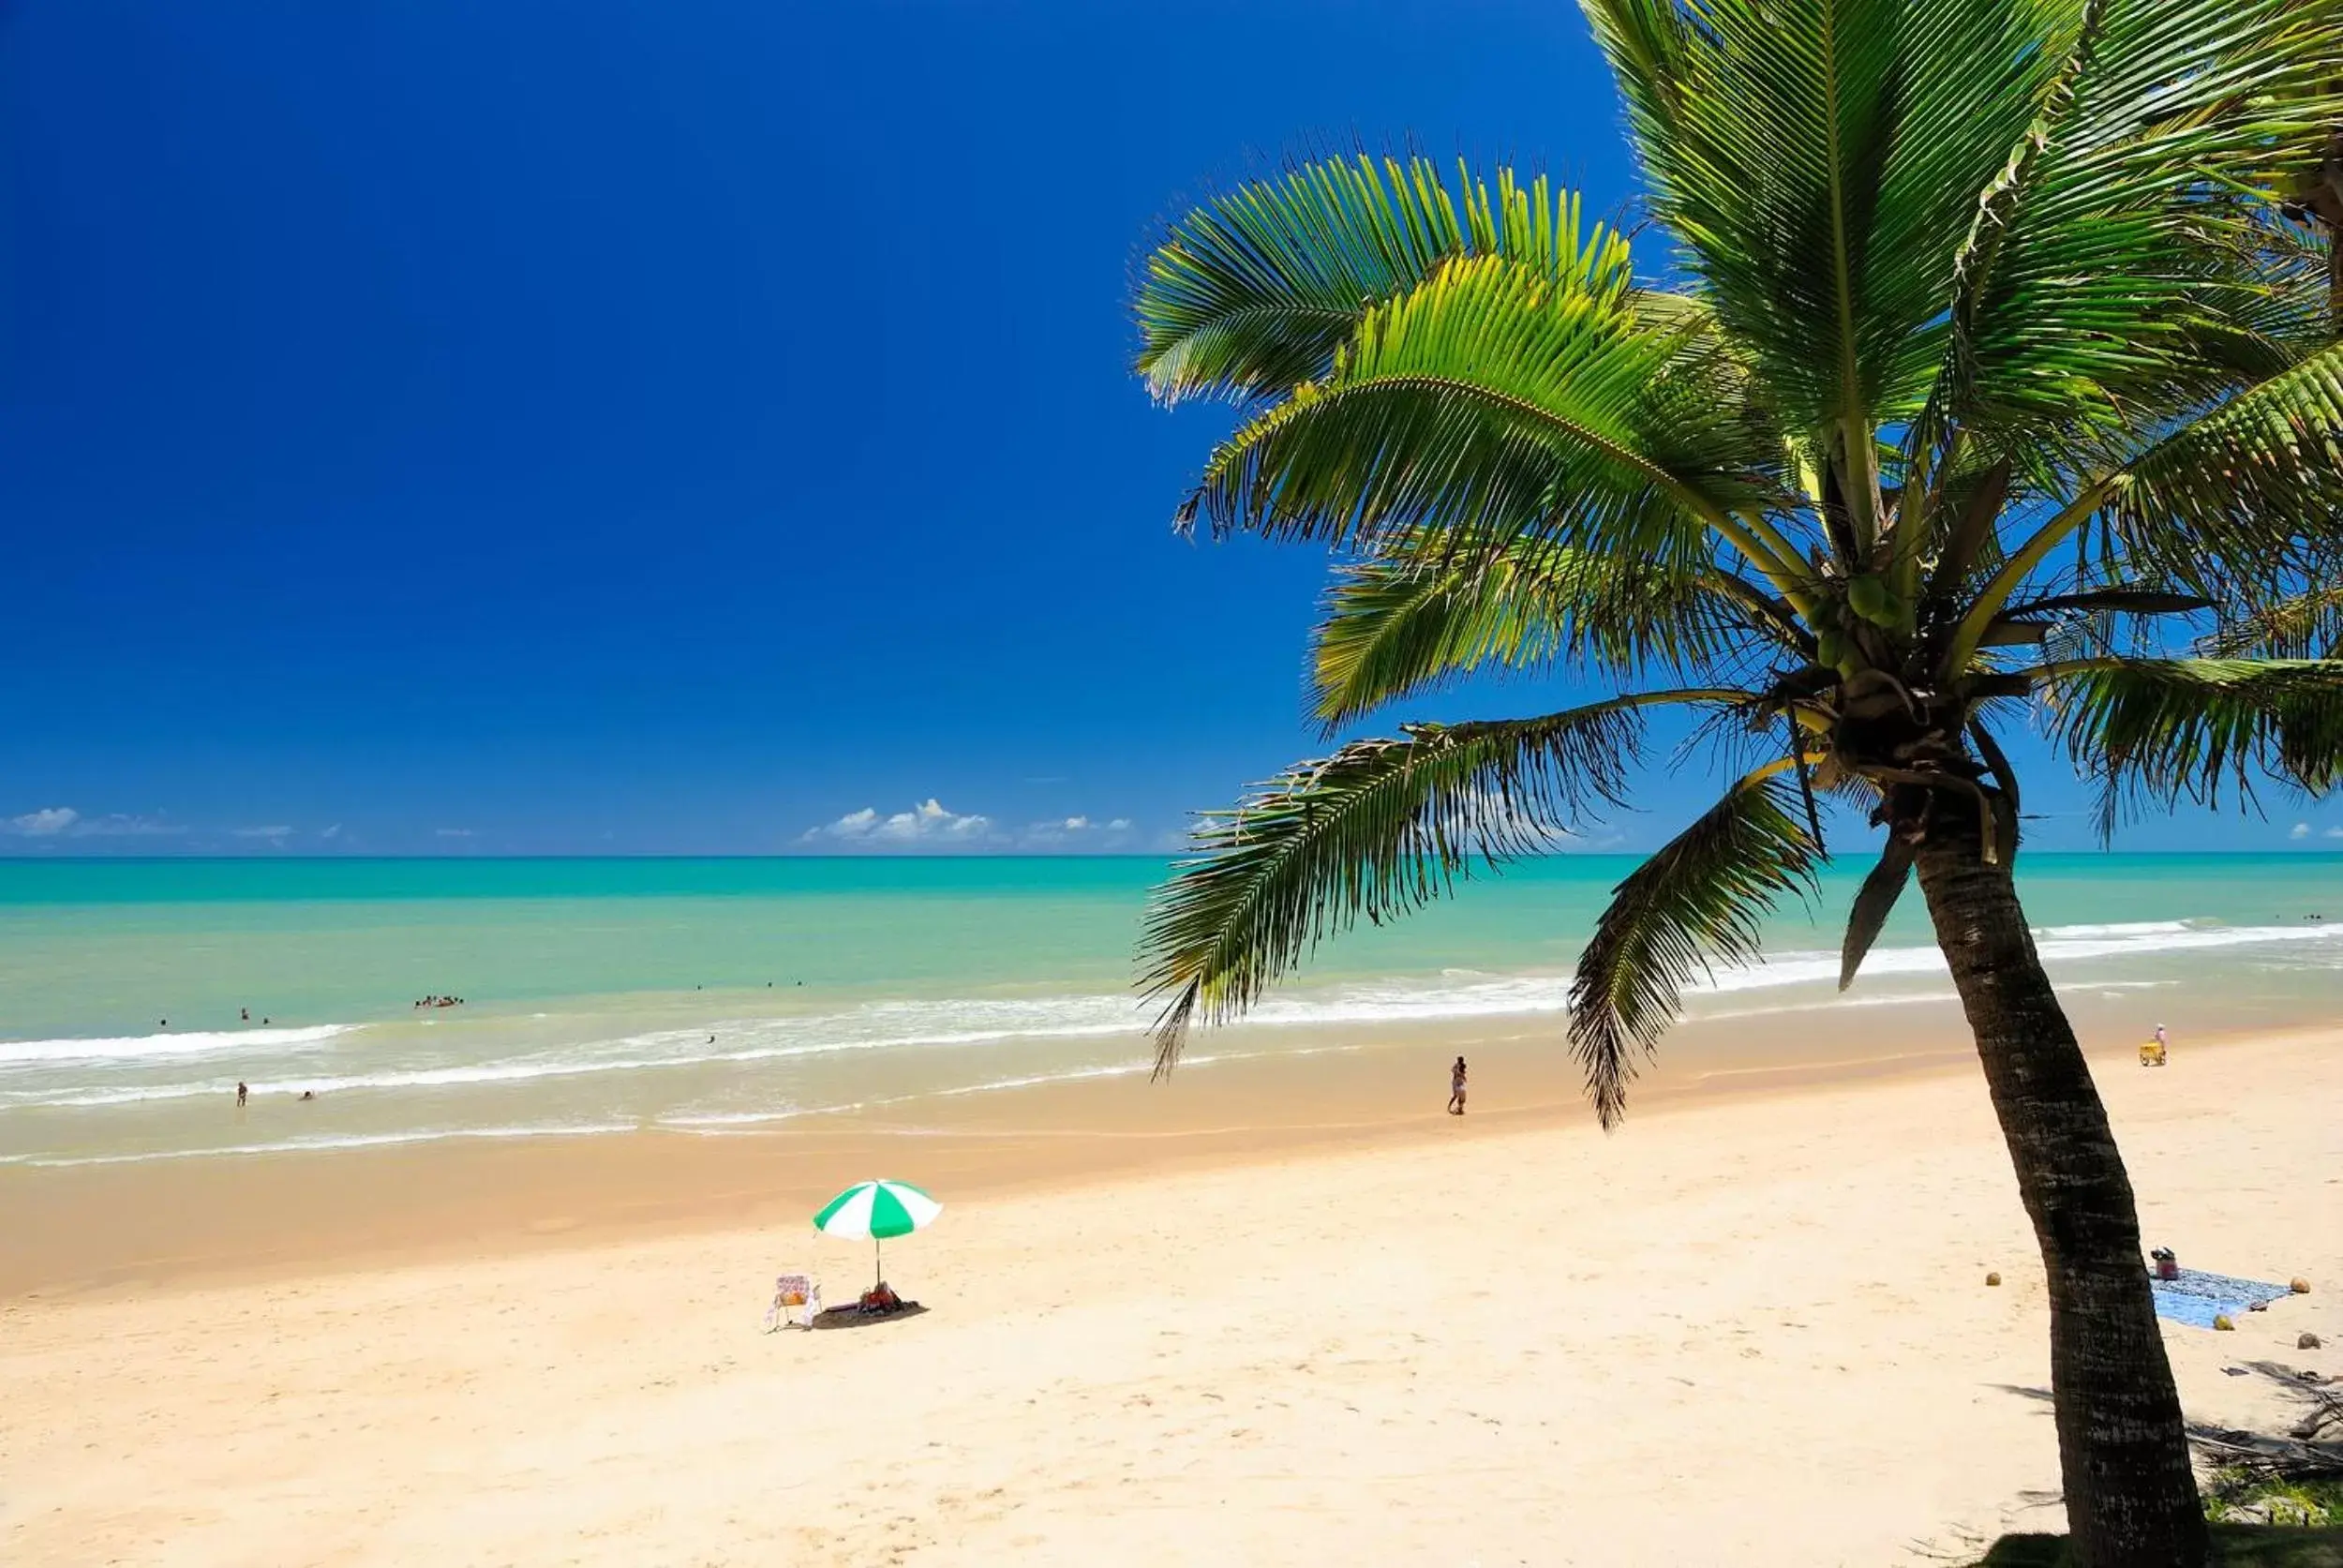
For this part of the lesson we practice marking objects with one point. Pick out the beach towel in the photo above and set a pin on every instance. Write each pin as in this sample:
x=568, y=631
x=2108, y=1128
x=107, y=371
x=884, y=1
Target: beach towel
x=2197, y=1297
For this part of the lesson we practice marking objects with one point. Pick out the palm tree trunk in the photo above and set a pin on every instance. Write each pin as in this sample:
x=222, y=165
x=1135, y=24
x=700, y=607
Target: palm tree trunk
x=2131, y=1493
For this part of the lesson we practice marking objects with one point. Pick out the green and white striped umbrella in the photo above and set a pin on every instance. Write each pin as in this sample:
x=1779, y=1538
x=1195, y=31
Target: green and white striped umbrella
x=877, y=1210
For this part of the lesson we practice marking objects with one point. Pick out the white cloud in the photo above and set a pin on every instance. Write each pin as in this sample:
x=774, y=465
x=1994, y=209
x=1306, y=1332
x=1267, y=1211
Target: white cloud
x=65, y=822
x=332, y=833
x=2334, y=832
x=114, y=824
x=2301, y=830
x=929, y=822
x=933, y=825
x=1073, y=831
x=453, y=832
x=279, y=832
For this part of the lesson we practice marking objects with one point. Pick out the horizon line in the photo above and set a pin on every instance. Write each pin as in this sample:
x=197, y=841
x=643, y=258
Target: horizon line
x=882, y=857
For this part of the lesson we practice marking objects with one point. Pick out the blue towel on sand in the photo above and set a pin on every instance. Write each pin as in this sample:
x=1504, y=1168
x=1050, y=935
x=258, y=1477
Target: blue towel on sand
x=2195, y=1296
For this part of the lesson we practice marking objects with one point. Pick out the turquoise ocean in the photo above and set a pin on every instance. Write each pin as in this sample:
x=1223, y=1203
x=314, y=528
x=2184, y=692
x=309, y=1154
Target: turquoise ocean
x=704, y=996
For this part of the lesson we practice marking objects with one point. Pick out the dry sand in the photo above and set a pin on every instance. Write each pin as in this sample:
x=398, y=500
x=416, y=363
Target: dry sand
x=1749, y=1329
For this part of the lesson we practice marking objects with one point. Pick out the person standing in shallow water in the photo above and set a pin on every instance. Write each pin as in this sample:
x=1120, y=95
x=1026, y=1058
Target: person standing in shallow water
x=243, y=1094
x=1456, y=1088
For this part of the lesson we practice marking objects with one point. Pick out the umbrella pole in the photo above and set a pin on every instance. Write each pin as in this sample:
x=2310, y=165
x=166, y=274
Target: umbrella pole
x=878, y=1265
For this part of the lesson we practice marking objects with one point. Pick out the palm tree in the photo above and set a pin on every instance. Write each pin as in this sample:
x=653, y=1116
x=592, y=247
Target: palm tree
x=1986, y=377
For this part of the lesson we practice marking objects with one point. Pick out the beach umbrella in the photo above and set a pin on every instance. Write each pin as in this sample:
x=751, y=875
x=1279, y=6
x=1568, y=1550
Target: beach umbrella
x=877, y=1210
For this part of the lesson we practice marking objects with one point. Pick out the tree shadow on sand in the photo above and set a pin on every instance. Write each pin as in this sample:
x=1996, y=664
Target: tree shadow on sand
x=2311, y=1446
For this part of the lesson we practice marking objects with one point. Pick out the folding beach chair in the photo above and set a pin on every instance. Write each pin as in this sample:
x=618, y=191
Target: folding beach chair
x=797, y=1299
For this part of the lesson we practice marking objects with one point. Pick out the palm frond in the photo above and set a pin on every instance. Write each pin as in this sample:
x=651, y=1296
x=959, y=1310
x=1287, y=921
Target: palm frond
x=2237, y=494
x=1394, y=625
x=1377, y=830
x=1819, y=161
x=1874, y=903
x=1252, y=294
x=1492, y=401
x=2130, y=264
x=1928, y=440
x=2085, y=622
x=2119, y=599
x=2304, y=626
x=2164, y=730
x=2235, y=503
x=1698, y=901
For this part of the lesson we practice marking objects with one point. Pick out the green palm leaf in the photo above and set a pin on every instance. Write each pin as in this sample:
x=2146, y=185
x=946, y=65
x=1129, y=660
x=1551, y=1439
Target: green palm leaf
x=2164, y=730
x=1396, y=626
x=1492, y=401
x=2124, y=267
x=1254, y=292
x=2245, y=485
x=1819, y=160
x=1694, y=902
x=2236, y=502
x=1376, y=830
x=2308, y=624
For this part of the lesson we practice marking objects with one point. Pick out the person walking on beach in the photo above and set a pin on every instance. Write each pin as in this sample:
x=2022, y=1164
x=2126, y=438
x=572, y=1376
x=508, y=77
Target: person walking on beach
x=243, y=1094
x=1456, y=1088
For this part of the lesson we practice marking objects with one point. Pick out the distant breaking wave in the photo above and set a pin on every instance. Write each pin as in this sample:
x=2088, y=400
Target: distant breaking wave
x=194, y=1042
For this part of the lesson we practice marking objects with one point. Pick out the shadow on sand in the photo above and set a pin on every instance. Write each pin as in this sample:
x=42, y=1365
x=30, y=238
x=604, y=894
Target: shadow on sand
x=854, y=1317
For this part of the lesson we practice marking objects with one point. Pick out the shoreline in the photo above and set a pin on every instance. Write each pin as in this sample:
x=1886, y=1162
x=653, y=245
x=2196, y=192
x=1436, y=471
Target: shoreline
x=106, y=1229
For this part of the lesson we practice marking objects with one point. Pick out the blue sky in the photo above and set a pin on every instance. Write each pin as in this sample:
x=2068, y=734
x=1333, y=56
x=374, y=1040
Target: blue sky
x=436, y=427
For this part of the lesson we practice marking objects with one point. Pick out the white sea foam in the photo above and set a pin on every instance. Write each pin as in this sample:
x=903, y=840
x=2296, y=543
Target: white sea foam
x=751, y=1118
x=2065, y=944
x=137, y=1048
x=1036, y=1079
x=417, y=1077
x=2120, y=928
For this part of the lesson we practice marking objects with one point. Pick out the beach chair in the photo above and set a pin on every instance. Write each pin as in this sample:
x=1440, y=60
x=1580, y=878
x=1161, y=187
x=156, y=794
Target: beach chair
x=797, y=1299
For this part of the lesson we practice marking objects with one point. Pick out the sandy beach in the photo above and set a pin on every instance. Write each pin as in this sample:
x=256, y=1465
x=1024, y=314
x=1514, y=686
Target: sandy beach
x=1751, y=1327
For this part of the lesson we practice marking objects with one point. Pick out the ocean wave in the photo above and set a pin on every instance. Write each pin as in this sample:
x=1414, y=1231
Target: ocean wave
x=693, y=1120
x=2070, y=944
x=2120, y=927
x=84, y=1097
x=136, y=1048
